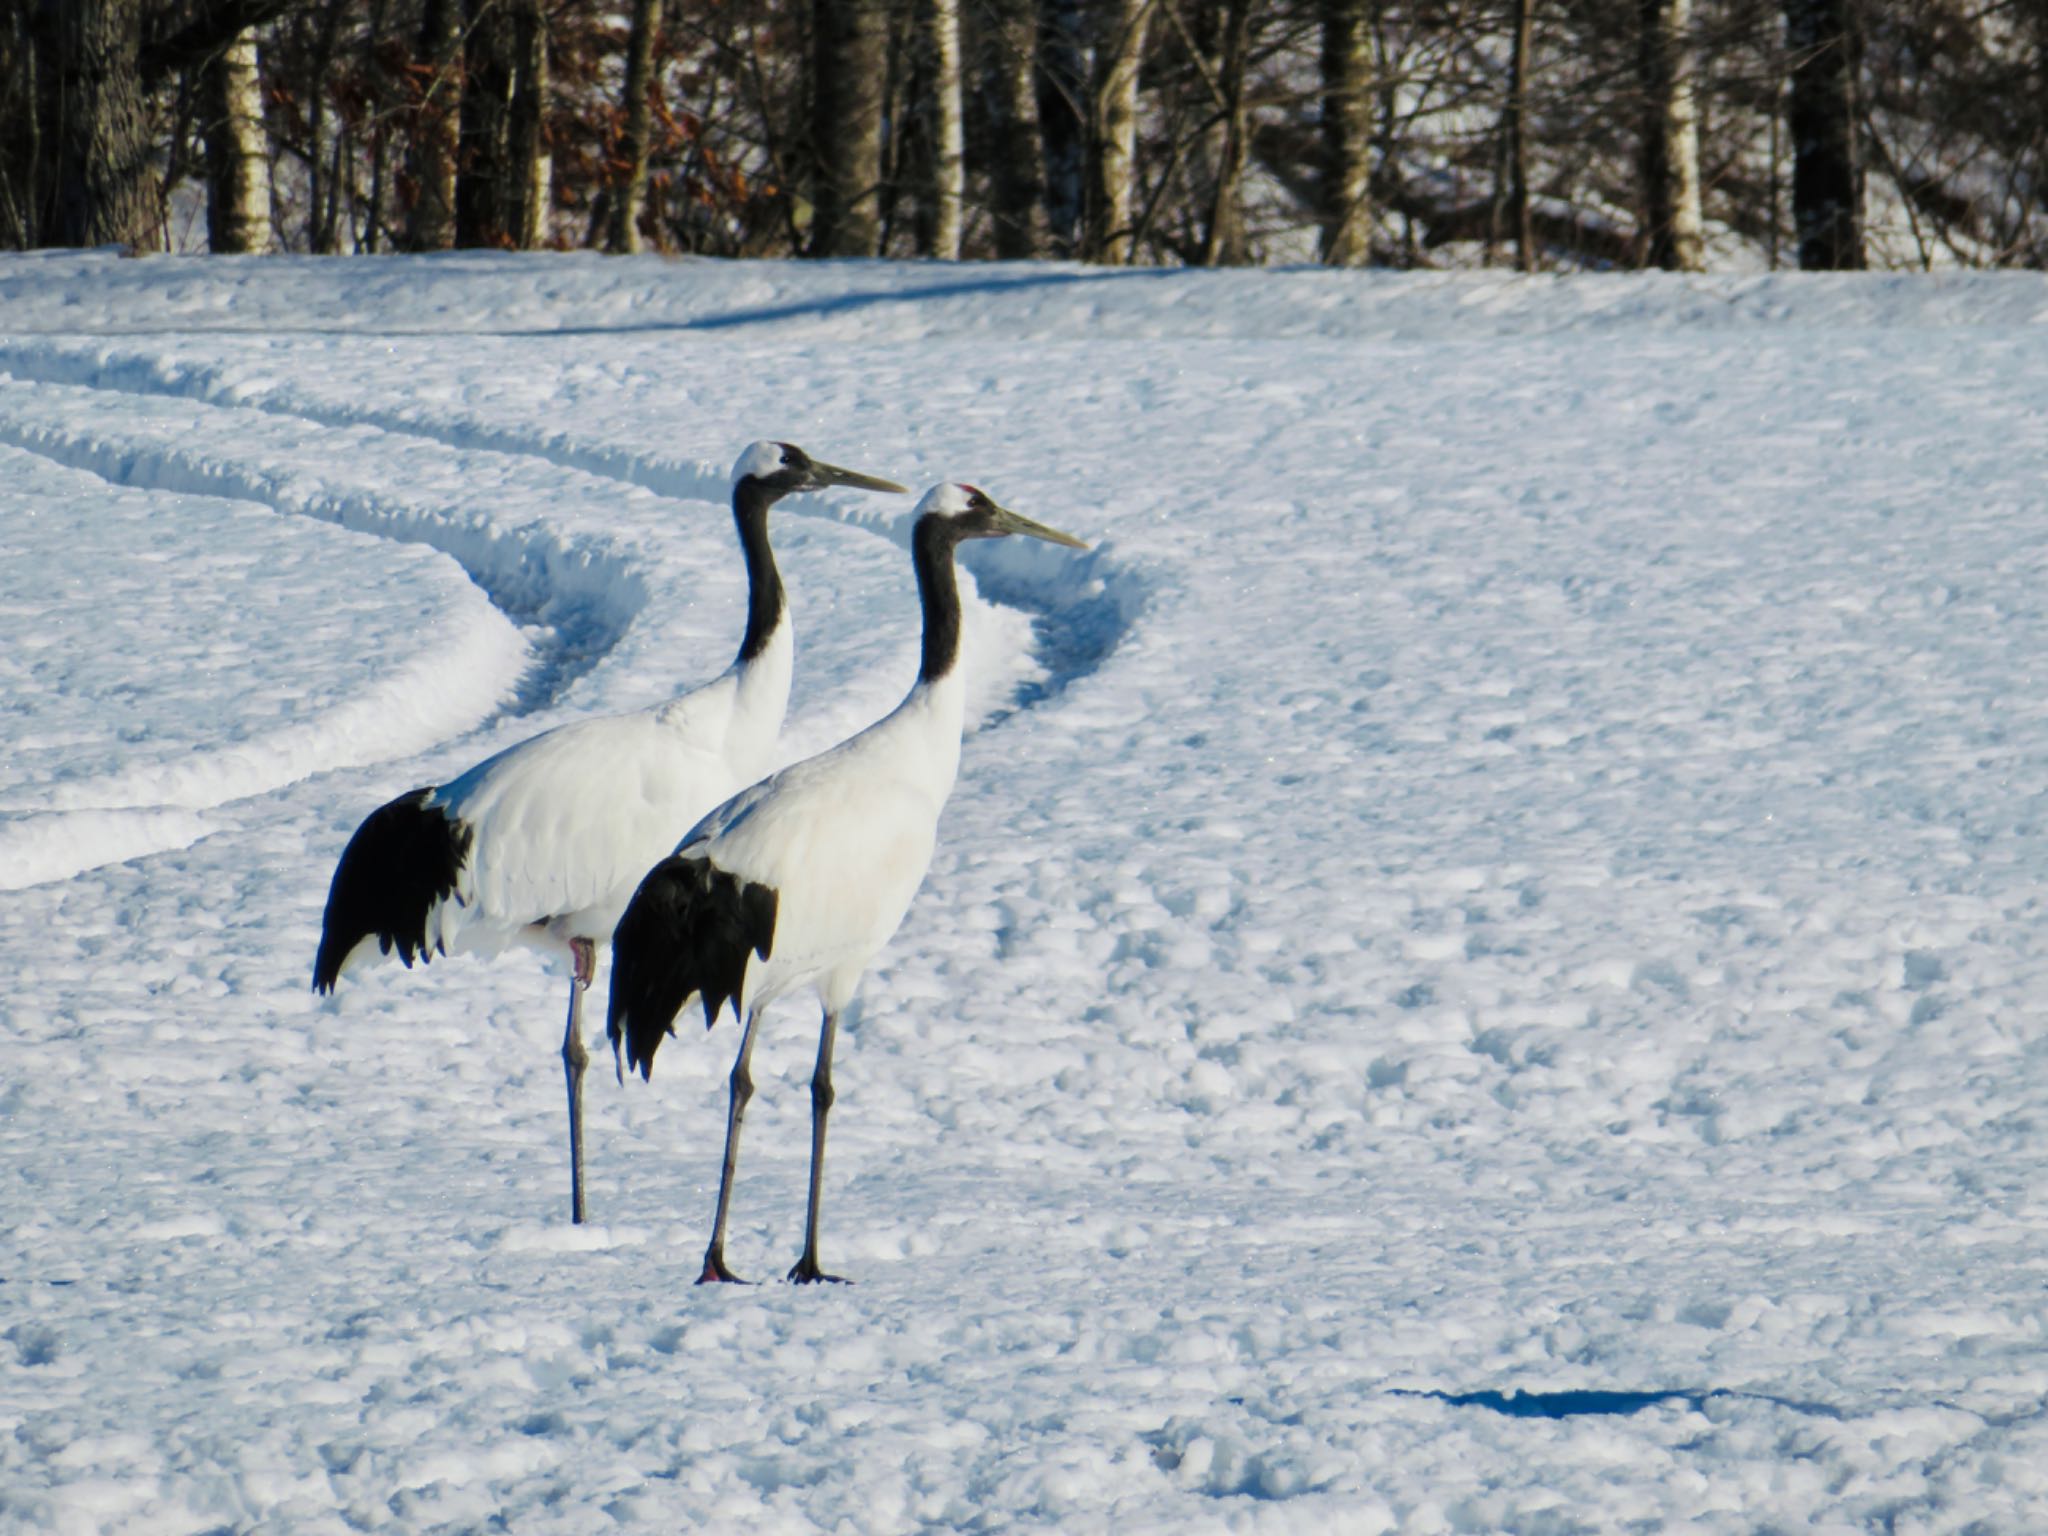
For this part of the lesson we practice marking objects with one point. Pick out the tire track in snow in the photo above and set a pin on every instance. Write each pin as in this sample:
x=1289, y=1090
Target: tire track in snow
x=572, y=598
x=573, y=595
x=579, y=594
x=1080, y=609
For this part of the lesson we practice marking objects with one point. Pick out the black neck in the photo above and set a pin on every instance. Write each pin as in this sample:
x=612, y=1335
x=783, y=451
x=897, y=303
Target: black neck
x=932, y=544
x=750, y=504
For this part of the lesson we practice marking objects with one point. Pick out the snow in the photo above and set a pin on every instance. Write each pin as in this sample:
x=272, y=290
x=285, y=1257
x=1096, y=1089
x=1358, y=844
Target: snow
x=1481, y=973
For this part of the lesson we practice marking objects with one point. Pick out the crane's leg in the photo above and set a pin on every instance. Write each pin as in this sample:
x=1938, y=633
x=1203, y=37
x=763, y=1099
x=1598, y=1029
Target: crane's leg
x=742, y=1090
x=807, y=1269
x=574, y=1059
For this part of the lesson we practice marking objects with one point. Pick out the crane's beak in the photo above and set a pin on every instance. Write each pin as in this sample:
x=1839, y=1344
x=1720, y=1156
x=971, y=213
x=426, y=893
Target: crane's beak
x=823, y=475
x=1006, y=521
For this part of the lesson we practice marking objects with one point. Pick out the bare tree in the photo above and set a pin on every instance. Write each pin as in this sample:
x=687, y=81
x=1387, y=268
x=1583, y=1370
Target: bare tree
x=435, y=121
x=945, y=129
x=1511, y=179
x=502, y=177
x=81, y=162
x=528, y=165
x=1223, y=236
x=1674, y=238
x=1063, y=119
x=851, y=53
x=1113, y=130
x=1007, y=49
x=1345, y=186
x=103, y=190
x=481, y=217
x=1821, y=115
x=1438, y=131
x=927, y=162
x=28, y=119
x=629, y=192
x=237, y=151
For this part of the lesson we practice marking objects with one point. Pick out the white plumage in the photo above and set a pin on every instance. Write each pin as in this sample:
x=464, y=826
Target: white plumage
x=543, y=844
x=563, y=822
x=844, y=839
x=800, y=880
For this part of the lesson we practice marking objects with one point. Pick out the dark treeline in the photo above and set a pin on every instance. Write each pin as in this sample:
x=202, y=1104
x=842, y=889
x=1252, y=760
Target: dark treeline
x=1549, y=134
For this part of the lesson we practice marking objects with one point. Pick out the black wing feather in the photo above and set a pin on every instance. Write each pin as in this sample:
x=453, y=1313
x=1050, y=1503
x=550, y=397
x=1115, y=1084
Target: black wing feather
x=404, y=857
x=689, y=929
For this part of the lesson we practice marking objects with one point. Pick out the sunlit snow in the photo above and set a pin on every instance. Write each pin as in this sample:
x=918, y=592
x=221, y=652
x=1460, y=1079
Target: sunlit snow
x=1483, y=973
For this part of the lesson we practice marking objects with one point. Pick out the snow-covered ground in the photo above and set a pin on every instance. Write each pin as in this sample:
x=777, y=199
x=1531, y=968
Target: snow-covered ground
x=1484, y=972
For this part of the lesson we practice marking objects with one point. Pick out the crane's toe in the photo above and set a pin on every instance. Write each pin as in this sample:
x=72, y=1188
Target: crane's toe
x=807, y=1272
x=715, y=1271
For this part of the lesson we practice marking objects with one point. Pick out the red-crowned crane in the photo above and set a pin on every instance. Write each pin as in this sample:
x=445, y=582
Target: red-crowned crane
x=800, y=880
x=543, y=844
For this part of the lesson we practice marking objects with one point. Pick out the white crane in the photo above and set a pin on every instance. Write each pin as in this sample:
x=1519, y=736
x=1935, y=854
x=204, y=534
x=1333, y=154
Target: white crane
x=811, y=870
x=543, y=844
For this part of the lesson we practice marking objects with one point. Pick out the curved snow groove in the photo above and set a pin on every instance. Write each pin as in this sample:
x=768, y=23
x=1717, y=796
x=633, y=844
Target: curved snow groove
x=139, y=374
x=1081, y=606
x=576, y=597
x=1081, y=610
x=573, y=599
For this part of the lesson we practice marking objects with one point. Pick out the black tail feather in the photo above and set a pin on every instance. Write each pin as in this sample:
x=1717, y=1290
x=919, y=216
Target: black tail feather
x=404, y=857
x=689, y=928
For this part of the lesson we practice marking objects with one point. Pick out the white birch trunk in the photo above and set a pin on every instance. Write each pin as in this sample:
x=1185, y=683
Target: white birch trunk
x=1113, y=143
x=1346, y=236
x=238, y=191
x=1682, y=128
x=1671, y=138
x=949, y=135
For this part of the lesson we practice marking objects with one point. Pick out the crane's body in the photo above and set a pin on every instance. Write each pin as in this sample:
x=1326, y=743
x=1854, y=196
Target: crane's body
x=844, y=839
x=799, y=881
x=643, y=780
x=543, y=844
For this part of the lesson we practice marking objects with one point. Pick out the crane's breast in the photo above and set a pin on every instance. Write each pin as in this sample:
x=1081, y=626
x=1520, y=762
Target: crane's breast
x=845, y=862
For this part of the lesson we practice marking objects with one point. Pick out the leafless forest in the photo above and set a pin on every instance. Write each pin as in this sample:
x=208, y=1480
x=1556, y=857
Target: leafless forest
x=1543, y=134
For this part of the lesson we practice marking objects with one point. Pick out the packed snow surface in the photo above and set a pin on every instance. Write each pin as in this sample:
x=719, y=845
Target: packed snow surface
x=1484, y=971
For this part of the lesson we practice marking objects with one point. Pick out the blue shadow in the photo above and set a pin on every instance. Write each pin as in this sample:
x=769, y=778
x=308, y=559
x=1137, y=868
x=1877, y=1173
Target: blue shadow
x=1592, y=1400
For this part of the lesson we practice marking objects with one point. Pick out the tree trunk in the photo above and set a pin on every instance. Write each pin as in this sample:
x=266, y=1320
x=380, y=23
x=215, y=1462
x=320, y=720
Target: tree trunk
x=1223, y=237
x=1673, y=237
x=431, y=156
x=529, y=167
x=622, y=238
x=1016, y=182
x=103, y=181
x=945, y=136
x=237, y=152
x=1512, y=185
x=1062, y=119
x=1827, y=179
x=851, y=40
x=26, y=70
x=1113, y=129
x=481, y=217
x=1345, y=239
x=381, y=110
x=322, y=163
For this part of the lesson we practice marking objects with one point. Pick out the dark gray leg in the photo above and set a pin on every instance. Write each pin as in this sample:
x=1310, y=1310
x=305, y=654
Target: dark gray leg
x=821, y=1105
x=574, y=1059
x=742, y=1090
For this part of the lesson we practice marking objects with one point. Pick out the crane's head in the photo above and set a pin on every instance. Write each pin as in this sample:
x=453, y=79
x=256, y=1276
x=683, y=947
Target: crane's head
x=783, y=469
x=971, y=513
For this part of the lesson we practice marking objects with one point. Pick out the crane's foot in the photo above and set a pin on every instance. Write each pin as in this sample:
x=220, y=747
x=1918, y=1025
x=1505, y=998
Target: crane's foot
x=715, y=1271
x=807, y=1272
